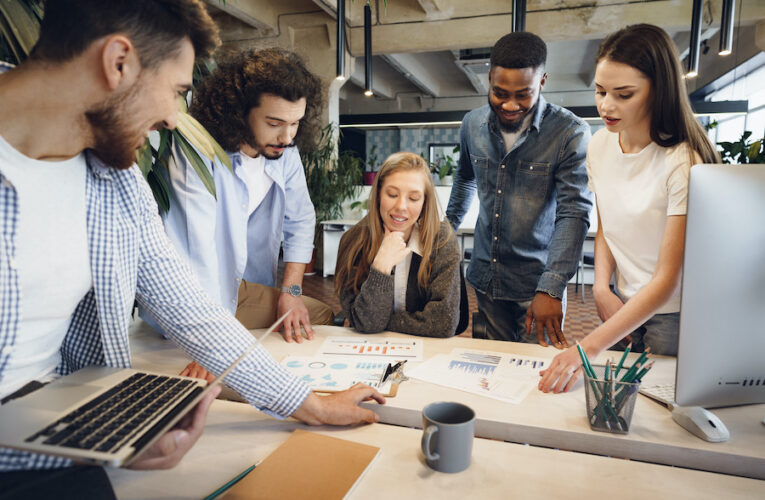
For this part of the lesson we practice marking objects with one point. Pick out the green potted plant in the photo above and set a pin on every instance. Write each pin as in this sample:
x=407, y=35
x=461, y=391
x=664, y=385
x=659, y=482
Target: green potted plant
x=370, y=170
x=331, y=178
x=743, y=151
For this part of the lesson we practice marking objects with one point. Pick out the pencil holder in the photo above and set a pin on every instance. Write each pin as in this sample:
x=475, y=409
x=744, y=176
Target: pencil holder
x=609, y=403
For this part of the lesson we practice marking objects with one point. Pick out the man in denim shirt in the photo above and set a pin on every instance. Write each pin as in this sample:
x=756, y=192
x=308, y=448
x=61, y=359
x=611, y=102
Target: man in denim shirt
x=526, y=157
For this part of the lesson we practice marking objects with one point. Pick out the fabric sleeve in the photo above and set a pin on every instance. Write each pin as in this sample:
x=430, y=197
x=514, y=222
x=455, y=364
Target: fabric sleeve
x=208, y=333
x=678, y=169
x=299, y=215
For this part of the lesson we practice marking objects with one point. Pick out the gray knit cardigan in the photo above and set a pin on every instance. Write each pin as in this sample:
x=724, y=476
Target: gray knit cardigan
x=431, y=312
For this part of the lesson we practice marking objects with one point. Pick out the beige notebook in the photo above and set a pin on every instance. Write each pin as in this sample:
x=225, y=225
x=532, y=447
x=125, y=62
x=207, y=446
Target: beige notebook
x=307, y=466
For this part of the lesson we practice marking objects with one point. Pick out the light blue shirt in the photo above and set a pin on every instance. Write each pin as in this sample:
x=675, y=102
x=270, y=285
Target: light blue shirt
x=223, y=243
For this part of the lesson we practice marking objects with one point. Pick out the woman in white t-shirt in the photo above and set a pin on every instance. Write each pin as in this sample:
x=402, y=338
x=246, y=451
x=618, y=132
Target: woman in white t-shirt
x=638, y=168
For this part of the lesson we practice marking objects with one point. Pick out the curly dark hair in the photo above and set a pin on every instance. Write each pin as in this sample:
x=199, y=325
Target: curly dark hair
x=223, y=100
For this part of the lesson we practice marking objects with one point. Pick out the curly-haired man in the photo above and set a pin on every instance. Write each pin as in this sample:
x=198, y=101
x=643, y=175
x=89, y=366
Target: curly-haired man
x=257, y=105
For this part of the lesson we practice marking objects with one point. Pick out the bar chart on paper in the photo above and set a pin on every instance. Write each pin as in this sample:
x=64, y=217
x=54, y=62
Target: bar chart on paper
x=495, y=375
x=398, y=349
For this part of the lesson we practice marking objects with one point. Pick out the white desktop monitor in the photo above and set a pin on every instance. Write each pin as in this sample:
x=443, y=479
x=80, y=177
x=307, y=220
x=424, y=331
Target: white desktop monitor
x=721, y=355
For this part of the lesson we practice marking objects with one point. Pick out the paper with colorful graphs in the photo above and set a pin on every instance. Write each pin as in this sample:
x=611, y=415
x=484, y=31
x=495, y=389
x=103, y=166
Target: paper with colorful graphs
x=383, y=348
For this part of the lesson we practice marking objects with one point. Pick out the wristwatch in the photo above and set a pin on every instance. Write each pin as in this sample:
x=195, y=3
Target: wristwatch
x=294, y=290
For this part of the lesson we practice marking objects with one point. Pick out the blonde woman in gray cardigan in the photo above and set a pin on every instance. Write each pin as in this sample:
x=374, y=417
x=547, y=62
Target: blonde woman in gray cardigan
x=398, y=269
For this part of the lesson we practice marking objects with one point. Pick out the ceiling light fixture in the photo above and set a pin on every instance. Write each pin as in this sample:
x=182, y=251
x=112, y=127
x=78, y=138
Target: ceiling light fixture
x=341, y=39
x=726, y=27
x=693, y=48
x=368, y=51
x=519, y=15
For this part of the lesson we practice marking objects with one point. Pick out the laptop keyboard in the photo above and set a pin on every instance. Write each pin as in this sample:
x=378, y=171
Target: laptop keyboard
x=115, y=417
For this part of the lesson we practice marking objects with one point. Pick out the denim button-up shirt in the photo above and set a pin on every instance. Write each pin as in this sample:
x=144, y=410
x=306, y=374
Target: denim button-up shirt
x=222, y=241
x=534, y=201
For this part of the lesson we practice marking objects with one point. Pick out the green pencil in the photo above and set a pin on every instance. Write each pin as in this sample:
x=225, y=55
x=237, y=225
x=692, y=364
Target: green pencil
x=229, y=484
x=624, y=357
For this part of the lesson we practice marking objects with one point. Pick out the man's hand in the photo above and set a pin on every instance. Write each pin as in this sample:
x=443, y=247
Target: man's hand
x=564, y=371
x=547, y=313
x=170, y=448
x=196, y=371
x=298, y=316
x=607, y=303
x=341, y=408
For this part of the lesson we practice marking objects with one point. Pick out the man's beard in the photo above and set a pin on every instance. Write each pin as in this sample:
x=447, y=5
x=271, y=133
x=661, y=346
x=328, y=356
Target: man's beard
x=512, y=127
x=261, y=149
x=115, y=140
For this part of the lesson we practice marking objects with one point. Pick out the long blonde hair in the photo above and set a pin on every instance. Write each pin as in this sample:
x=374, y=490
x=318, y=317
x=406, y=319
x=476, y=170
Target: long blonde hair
x=369, y=232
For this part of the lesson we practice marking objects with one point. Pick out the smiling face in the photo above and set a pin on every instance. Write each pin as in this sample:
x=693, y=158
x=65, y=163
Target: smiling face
x=402, y=197
x=623, y=97
x=121, y=122
x=513, y=93
x=274, y=124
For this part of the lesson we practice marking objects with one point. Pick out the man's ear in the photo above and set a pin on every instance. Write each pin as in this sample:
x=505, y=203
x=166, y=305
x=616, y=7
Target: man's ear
x=542, y=81
x=119, y=62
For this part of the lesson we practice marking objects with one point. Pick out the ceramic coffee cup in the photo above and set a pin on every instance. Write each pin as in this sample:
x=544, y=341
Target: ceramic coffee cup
x=447, y=437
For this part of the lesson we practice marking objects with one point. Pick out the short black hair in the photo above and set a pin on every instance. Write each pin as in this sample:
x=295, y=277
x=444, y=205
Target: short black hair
x=519, y=50
x=155, y=27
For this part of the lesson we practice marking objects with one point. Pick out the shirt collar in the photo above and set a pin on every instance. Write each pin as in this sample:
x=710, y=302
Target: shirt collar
x=414, y=240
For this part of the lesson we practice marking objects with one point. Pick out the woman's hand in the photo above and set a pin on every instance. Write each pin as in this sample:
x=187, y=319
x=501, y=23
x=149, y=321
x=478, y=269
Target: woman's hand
x=607, y=303
x=392, y=251
x=564, y=371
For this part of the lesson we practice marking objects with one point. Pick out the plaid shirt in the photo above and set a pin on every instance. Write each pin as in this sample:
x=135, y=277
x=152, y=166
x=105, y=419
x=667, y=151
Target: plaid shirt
x=131, y=258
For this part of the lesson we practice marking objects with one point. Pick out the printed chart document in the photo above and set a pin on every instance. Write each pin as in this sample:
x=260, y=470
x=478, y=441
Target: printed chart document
x=497, y=375
x=307, y=466
x=337, y=373
x=390, y=349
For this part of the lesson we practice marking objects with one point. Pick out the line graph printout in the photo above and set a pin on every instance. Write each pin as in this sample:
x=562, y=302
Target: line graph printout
x=325, y=373
x=392, y=349
x=506, y=377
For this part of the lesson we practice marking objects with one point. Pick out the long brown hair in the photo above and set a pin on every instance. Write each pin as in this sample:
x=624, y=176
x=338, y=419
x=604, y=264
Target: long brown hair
x=362, y=249
x=649, y=49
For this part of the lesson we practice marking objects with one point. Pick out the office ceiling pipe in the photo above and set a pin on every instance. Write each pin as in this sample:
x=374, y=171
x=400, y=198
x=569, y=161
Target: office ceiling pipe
x=693, y=49
x=519, y=15
x=341, y=39
x=367, y=50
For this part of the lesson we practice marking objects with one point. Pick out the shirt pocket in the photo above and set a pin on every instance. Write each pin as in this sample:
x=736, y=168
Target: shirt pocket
x=481, y=171
x=532, y=180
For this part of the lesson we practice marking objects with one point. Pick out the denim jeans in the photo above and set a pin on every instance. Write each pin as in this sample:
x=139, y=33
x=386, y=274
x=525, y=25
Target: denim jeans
x=660, y=333
x=506, y=319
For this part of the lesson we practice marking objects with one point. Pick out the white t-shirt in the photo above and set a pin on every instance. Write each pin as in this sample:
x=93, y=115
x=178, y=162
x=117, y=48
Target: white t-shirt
x=52, y=259
x=256, y=179
x=401, y=275
x=635, y=194
x=510, y=138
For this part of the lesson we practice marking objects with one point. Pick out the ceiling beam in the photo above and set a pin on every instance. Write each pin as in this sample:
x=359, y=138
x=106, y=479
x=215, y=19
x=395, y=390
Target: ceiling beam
x=257, y=13
x=407, y=65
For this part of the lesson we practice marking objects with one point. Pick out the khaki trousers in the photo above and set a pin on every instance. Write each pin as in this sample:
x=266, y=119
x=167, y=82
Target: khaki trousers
x=257, y=307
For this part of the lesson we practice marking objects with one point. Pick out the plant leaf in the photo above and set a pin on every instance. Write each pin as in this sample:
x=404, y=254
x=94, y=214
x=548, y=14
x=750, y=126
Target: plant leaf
x=754, y=151
x=143, y=158
x=24, y=26
x=197, y=163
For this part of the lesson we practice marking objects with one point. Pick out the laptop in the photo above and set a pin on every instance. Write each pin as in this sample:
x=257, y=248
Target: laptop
x=104, y=416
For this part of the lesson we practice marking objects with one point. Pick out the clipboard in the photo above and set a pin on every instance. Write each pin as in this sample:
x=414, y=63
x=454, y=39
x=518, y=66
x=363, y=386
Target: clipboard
x=328, y=374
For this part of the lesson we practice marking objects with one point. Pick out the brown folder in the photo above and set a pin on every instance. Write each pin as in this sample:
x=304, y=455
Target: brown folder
x=307, y=466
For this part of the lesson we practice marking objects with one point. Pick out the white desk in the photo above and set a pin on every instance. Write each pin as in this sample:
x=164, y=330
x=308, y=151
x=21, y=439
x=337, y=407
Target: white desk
x=237, y=436
x=549, y=420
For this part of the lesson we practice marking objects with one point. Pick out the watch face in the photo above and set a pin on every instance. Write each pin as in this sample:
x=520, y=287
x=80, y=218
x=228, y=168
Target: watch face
x=295, y=290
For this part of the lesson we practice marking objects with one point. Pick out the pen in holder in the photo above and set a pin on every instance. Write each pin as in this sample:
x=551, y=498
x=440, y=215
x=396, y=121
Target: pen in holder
x=610, y=402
